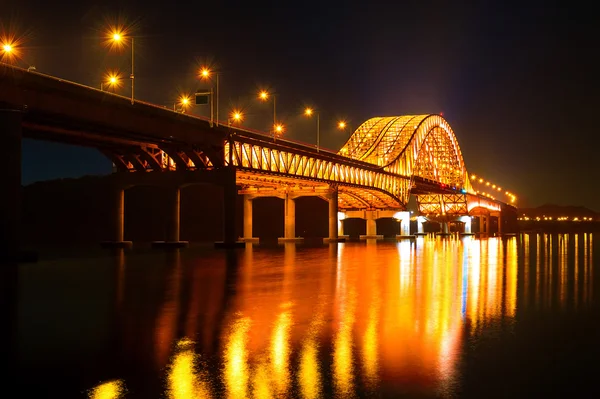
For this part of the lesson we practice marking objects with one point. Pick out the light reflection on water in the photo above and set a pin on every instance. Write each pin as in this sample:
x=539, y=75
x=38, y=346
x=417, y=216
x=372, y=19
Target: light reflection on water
x=356, y=318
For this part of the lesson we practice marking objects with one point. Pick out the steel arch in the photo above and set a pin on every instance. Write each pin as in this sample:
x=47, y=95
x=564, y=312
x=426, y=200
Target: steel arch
x=411, y=146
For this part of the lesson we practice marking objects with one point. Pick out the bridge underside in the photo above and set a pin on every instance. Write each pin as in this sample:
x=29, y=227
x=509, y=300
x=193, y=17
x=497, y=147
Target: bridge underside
x=349, y=196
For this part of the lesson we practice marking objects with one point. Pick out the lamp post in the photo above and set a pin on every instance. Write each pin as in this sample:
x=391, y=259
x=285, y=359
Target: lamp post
x=264, y=95
x=205, y=74
x=118, y=37
x=309, y=112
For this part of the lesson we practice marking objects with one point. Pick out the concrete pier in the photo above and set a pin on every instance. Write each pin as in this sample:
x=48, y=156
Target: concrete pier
x=119, y=222
x=289, y=230
x=248, y=220
x=173, y=222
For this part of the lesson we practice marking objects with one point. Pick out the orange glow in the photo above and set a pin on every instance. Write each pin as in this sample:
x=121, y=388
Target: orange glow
x=263, y=95
x=205, y=73
x=116, y=37
x=10, y=50
x=341, y=125
x=279, y=128
x=308, y=111
x=237, y=116
x=112, y=80
x=185, y=100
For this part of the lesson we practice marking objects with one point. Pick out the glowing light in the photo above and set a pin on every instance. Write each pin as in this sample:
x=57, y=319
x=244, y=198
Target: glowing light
x=7, y=48
x=112, y=79
x=205, y=72
x=308, y=111
x=279, y=128
x=237, y=116
x=263, y=95
x=116, y=37
x=184, y=100
x=341, y=125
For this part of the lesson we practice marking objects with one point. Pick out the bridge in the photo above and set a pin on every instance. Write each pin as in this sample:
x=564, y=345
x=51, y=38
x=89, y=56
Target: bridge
x=383, y=163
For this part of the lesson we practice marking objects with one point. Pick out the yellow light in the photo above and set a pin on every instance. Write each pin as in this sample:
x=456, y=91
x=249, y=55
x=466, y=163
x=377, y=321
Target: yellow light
x=308, y=111
x=263, y=95
x=480, y=180
x=7, y=48
x=473, y=177
x=279, y=128
x=342, y=125
x=237, y=116
x=184, y=100
x=205, y=72
x=113, y=79
x=117, y=37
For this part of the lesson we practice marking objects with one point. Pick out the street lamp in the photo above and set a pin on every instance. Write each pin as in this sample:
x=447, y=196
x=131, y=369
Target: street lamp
x=118, y=37
x=264, y=95
x=184, y=101
x=341, y=125
x=309, y=112
x=235, y=116
x=277, y=130
x=205, y=74
x=9, y=51
x=113, y=80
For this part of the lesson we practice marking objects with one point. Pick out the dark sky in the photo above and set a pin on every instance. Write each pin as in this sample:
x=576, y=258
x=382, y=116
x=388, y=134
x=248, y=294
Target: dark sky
x=518, y=83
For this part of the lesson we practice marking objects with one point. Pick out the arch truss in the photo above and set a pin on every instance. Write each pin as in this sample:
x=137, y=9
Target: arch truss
x=411, y=146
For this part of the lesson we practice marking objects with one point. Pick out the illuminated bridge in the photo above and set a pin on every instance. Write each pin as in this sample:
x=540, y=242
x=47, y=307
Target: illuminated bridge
x=372, y=176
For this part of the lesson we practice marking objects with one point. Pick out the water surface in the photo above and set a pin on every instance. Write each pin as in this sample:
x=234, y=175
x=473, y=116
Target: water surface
x=435, y=317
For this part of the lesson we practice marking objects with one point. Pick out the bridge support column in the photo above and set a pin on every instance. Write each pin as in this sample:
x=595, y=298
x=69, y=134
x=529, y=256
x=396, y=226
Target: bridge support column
x=10, y=181
x=467, y=221
x=118, y=221
x=500, y=229
x=248, y=220
x=229, y=210
x=370, y=216
x=484, y=225
x=445, y=231
x=420, y=229
x=289, y=229
x=333, y=217
x=173, y=222
x=404, y=219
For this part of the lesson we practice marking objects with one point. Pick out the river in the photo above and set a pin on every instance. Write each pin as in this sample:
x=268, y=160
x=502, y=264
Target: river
x=431, y=317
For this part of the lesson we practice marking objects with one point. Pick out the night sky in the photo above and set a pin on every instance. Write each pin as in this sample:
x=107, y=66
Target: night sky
x=518, y=84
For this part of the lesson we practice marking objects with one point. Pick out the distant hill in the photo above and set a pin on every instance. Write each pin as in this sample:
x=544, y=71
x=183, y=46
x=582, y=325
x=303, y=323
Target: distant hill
x=556, y=211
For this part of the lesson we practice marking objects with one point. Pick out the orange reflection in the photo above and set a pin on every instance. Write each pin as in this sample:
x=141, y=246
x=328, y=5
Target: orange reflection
x=367, y=315
x=108, y=390
x=280, y=352
x=183, y=379
x=236, y=373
